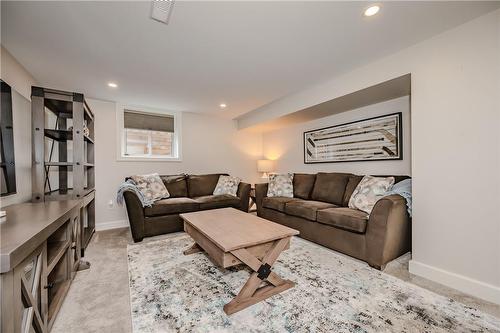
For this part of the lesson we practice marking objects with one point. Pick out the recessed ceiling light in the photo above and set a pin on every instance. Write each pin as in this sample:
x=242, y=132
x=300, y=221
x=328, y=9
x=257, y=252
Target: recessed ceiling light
x=370, y=11
x=112, y=85
x=222, y=105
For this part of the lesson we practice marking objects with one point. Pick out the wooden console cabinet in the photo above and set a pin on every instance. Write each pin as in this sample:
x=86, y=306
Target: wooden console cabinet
x=39, y=255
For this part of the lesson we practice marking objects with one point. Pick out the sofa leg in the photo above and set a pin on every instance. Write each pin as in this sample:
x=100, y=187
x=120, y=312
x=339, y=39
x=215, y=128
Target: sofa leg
x=137, y=240
x=378, y=267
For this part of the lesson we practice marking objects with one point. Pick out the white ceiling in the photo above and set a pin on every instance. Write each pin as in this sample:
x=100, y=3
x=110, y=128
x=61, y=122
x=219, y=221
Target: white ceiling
x=245, y=54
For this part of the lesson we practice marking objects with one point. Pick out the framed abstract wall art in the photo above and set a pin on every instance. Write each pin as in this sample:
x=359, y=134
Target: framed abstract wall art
x=373, y=139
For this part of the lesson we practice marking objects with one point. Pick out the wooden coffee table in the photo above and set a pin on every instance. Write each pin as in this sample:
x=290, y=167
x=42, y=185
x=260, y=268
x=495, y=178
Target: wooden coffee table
x=231, y=237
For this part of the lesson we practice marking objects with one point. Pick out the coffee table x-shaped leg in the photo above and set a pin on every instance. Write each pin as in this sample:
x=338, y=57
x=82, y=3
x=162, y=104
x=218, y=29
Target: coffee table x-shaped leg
x=252, y=292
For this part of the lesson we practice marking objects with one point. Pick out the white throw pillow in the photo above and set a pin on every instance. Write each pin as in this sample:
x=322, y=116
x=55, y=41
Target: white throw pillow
x=369, y=190
x=227, y=185
x=151, y=186
x=280, y=185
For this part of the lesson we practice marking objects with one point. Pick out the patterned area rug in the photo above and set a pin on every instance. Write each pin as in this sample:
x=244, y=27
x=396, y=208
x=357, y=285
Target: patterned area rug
x=171, y=292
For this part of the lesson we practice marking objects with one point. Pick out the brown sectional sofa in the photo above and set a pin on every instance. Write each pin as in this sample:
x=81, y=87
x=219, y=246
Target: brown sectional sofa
x=319, y=210
x=188, y=193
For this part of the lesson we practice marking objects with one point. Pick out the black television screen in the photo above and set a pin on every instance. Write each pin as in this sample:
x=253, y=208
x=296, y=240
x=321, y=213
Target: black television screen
x=7, y=162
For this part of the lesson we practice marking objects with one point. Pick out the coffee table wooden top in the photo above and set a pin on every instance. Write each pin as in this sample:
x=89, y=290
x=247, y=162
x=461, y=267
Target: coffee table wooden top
x=231, y=229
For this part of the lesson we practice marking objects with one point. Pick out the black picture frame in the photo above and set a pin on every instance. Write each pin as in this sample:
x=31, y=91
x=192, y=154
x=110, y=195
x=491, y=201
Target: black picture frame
x=399, y=140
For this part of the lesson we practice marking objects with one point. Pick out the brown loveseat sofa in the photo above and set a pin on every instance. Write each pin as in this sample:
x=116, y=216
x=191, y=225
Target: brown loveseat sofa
x=319, y=210
x=188, y=193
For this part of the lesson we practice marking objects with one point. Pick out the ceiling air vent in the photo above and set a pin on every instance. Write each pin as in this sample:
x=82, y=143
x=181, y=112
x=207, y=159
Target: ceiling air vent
x=161, y=10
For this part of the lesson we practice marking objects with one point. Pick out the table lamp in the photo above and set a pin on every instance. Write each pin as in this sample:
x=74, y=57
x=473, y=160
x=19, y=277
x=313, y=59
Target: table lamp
x=265, y=166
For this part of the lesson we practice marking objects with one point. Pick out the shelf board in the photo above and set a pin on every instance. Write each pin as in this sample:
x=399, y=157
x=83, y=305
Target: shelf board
x=64, y=109
x=55, y=250
x=59, y=164
x=59, y=135
x=64, y=135
x=6, y=164
x=67, y=164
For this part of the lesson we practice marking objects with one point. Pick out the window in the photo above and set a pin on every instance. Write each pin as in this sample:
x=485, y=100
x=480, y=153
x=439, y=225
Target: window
x=147, y=143
x=149, y=135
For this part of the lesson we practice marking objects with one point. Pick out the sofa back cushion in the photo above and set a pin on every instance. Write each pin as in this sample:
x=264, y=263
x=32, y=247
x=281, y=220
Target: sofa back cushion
x=176, y=185
x=303, y=184
x=200, y=185
x=330, y=187
x=349, y=189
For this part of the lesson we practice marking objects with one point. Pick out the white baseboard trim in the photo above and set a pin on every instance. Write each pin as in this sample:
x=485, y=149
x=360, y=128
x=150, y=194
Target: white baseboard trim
x=111, y=225
x=462, y=283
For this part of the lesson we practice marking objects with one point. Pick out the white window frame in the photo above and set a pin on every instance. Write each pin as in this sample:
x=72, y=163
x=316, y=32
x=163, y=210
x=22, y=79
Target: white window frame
x=176, y=140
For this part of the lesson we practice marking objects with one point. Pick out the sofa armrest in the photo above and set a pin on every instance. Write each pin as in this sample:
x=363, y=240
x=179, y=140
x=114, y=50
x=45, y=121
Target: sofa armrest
x=388, y=231
x=260, y=194
x=244, y=195
x=135, y=213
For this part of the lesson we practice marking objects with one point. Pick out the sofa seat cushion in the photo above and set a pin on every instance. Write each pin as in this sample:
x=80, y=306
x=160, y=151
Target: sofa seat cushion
x=171, y=206
x=217, y=201
x=344, y=218
x=306, y=209
x=276, y=203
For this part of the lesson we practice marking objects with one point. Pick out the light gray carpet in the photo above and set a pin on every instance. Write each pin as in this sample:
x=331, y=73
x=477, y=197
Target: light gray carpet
x=171, y=292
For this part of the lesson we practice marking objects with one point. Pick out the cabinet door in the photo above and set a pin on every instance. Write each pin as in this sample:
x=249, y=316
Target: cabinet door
x=31, y=302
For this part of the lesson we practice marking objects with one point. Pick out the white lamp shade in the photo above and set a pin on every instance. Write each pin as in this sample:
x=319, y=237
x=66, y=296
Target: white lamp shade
x=265, y=165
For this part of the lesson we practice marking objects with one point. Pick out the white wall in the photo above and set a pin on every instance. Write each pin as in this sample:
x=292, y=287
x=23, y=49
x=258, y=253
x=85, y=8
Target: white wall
x=455, y=128
x=209, y=145
x=286, y=145
x=12, y=72
x=20, y=81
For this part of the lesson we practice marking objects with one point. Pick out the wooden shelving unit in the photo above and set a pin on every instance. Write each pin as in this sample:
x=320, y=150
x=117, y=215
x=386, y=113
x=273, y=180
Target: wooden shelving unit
x=63, y=154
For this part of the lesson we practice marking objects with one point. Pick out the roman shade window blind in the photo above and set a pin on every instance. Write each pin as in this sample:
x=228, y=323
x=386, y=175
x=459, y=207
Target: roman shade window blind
x=143, y=121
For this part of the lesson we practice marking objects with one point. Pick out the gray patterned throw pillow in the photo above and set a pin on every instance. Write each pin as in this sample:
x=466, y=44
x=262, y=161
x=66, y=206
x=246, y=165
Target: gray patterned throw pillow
x=280, y=185
x=369, y=190
x=227, y=185
x=151, y=186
